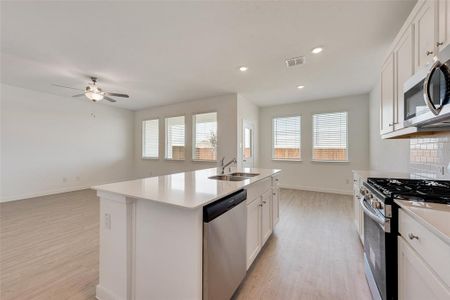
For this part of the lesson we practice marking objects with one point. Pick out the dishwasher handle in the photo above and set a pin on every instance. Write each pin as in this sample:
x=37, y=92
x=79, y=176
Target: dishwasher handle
x=221, y=206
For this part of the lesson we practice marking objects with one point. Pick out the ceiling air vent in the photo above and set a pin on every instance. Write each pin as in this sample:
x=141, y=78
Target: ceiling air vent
x=294, y=61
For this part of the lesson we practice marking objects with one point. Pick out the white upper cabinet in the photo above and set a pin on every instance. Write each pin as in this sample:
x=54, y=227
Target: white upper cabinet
x=404, y=68
x=444, y=24
x=425, y=32
x=387, y=96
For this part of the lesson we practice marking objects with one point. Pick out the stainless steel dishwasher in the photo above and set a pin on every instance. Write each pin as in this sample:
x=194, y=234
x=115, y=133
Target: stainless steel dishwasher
x=224, y=246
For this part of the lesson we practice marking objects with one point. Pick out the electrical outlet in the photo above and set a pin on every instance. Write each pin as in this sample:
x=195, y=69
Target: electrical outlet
x=108, y=221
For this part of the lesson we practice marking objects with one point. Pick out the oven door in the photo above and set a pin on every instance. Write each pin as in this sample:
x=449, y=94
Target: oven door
x=376, y=239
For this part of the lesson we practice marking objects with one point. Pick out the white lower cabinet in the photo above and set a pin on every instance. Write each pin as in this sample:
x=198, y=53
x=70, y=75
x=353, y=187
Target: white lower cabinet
x=262, y=215
x=359, y=213
x=275, y=205
x=416, y=281
x=266, y=218
x=253, y=231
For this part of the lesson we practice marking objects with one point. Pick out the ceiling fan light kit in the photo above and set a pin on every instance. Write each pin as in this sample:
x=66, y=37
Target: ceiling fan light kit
x=94, y=93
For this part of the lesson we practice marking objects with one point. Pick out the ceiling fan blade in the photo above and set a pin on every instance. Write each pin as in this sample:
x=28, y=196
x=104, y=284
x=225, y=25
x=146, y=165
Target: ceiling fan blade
x=78, y=95
x=67, y=87
x=117, y=95
x=109, y=99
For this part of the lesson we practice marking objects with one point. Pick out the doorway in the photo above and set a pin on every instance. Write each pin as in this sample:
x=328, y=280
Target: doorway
x=247, y=144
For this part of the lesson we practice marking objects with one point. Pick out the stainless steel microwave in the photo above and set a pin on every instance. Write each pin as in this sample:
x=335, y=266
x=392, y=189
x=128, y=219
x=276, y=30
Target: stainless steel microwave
x=426, y=95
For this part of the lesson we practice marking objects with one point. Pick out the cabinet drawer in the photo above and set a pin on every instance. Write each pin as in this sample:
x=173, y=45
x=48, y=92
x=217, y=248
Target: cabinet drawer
x=434, y=251
x=276, y=180
x=258, y=188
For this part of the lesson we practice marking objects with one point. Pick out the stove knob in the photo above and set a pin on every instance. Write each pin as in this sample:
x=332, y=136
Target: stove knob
x=376, y=205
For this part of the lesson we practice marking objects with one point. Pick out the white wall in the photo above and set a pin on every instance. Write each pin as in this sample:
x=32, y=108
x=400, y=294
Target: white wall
x=319, y=176
x=226, y=108
x=248, y=111
x=52, y=144
x=385, y=155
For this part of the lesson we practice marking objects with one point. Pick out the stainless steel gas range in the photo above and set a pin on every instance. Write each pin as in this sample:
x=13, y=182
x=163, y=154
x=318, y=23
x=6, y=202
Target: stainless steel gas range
x=381, y=225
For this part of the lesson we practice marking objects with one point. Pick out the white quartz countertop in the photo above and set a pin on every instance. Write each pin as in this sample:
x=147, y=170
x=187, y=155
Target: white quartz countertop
x=188, y=189
x=434, y=216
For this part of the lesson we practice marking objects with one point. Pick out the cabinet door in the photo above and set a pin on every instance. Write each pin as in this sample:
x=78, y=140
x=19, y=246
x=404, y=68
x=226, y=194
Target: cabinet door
x=444, y=24
x=275, y=206
x=266, y=220
x=253, y=230
x=415, y=280
x=425, y=29
x=387, y=95
x=404, y=62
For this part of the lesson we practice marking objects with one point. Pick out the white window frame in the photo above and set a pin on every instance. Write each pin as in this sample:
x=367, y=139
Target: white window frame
x=166, y=139
x=143, y=139
x=194, y=134
x=312, y=139
x=273, y=138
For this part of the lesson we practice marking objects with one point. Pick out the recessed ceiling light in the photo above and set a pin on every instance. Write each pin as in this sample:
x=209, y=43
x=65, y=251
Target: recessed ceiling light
x=300, y=87
x=243, y=68
x=317, y=50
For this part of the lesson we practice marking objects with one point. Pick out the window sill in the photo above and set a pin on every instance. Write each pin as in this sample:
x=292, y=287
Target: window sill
x=330, y=161
x=290, y=159
x=150, y=158
x=204, y=160
x=171, y=159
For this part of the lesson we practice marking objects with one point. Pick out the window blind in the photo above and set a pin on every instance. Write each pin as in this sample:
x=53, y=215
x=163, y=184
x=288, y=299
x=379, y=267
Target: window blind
x=286, y=137
x=150, y=138
x=330, y=137
x=175, y=138
x=205, y=136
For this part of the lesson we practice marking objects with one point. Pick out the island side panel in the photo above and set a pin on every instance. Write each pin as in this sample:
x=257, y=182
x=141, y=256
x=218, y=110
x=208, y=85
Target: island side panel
x=168, y=251
x=116, y=231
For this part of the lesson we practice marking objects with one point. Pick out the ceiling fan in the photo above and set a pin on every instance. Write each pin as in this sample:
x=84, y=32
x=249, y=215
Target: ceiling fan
x=94, y=92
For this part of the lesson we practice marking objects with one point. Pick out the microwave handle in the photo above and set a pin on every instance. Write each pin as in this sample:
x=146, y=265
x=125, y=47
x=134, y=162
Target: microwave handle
x=426, y=88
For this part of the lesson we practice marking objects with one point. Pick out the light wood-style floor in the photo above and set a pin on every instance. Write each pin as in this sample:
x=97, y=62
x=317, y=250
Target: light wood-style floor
x=49, y=250
x=313, y=253
x=49, y=247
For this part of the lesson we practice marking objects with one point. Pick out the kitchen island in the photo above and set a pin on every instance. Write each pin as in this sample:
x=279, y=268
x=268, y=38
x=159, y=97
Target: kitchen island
x=151, y=230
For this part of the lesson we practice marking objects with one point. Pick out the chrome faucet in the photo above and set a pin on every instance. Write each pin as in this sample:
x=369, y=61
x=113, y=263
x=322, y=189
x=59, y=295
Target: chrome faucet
x=227, y=164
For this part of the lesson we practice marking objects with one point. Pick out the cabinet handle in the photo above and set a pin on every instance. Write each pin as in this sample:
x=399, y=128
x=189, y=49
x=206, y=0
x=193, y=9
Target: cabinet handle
x=428, y=53
x=260, y=205
x=391, y=124
x=412, y=236
x=274, y=194
x=438, y=44
x=264, y=202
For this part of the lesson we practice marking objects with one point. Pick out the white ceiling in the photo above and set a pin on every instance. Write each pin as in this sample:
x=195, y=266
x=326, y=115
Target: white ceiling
x=166, y=52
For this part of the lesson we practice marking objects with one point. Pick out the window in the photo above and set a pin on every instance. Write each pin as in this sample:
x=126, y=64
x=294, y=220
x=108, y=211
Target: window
x=286, y=138
x=175, y=140
x=330, y=137
x=205, y=136
x=150, y=138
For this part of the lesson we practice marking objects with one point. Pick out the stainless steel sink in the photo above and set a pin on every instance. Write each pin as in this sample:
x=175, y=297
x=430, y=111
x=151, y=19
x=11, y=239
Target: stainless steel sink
x=228, y=177
x=244, y=174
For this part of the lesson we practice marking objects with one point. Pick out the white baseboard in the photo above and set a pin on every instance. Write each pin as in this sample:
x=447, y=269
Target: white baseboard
x=55, y=191
x=103, y=294
x=316, y=189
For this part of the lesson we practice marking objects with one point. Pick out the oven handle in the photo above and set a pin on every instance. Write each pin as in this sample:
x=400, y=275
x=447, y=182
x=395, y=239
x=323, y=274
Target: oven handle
x=385, y=224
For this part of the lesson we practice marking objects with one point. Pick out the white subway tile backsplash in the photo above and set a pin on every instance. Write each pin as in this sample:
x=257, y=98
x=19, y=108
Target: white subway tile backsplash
x=429, y=157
